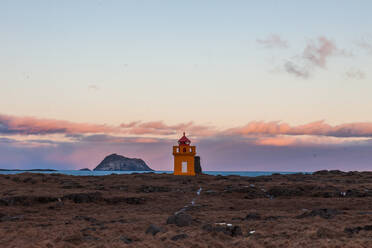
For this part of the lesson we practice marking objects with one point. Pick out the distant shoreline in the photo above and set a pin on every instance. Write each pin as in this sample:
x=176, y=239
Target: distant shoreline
x=213, y=173
x=223, y=171
x=28, y=170
x=106, y=173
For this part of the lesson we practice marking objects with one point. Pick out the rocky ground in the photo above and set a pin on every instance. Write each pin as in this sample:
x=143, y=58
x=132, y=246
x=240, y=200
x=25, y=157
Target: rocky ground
x=326, y=209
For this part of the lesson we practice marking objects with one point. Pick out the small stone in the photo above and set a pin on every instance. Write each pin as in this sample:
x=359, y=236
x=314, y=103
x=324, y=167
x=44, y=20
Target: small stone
x=207, y=227
x=324, y=213
x=179, y=236
x=126, y=239
x=152, y=229
x=326, y=233
x=180, y=219
x=252, y=216
x=171, y=219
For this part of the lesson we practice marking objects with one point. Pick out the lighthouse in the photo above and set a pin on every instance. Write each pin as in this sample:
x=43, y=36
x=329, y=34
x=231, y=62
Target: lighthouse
x=184, y=157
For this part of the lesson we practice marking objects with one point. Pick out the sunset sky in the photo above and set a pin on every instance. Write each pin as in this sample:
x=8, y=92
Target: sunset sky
x=256, y=85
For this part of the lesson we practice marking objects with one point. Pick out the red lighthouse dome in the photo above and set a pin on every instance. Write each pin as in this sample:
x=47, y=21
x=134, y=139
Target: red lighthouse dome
x=184, y=140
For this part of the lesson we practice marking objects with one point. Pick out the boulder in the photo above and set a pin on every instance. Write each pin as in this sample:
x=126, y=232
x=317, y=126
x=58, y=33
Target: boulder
x=152, y=229
x=180, y=219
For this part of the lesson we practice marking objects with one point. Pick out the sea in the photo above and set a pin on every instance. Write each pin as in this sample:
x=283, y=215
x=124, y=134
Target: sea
x=104, y=173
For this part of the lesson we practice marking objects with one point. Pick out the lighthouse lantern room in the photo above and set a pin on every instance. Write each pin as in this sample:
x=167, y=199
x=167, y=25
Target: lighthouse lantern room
x=184, y=156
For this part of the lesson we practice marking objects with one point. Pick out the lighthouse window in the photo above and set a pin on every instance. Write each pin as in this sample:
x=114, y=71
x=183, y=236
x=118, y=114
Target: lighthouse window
x=184, y=149
x=178, y=149
x=190, y=149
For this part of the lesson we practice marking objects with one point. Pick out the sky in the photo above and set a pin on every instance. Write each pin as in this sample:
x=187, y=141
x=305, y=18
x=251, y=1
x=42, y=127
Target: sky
x=256, y=85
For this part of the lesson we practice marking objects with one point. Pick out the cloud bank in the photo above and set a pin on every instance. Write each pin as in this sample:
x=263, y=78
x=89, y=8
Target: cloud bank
x=11, y=125
x=29, y=142
x=37, y=126
x=319, y=128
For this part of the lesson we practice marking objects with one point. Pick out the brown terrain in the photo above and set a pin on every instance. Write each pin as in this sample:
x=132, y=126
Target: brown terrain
x=326, y=209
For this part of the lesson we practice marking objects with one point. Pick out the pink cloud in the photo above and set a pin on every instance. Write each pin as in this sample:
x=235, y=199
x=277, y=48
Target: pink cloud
x=317, y=53
x=145, y=140
x=129, y=125
x=276, y=141
x=30, y=125
x=259, y=127
x=319, y=128
x=303, y=140
x=160, y=128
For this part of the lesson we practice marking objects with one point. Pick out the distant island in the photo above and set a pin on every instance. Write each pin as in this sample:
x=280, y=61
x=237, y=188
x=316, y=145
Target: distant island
x=85, y=169
x=27, y=170
x=115, y=162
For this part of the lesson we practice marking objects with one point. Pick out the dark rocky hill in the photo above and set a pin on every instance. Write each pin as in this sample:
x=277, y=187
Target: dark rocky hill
x=116, y=162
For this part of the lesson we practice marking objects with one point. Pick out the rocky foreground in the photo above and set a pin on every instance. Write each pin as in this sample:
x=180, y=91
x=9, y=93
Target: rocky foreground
x=327, y=209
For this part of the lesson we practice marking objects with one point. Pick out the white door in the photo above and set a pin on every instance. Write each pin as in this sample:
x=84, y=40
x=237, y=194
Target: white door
x=184, y=167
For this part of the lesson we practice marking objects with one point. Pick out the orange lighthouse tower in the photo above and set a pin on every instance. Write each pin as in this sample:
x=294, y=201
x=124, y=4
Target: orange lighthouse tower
x=184, y=156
